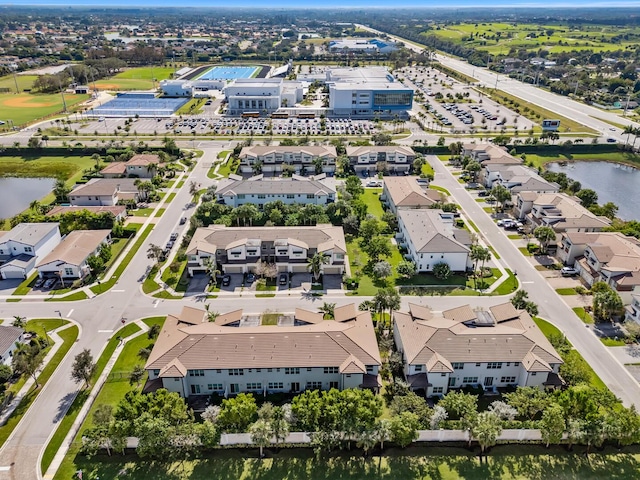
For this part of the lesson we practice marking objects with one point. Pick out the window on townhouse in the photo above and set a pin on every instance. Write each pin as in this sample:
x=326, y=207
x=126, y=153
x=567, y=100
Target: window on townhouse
x=68, y=271
x=215, y=386
x=156, y=372
x=254, y=386
x=494, y=365
x=314, y=385
x=262, y=195
x=235, y=372
x=452, y=381
x=533, y=374
x=516, y=364
x=417, y=368
x=478, y=364
x=470, y=380
x=438, y=389
x=331, y=369
x=457, y=365
x=241, y=196
x=507, y=379
x=333, y=385
x=290, y=195
x=28, y=249
x=292, y=371
x=370, y=369
x=275, y=385
x=196, y=373
x=310, y=196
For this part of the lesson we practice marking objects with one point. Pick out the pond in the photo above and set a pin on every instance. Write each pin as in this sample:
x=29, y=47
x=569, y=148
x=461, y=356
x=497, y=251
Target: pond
x=613, y=183
x=18, y=193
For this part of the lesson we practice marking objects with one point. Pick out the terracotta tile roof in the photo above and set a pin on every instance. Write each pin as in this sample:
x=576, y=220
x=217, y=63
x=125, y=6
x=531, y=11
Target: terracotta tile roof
x=456, y=337
x=116, y=210
x=273, y=186
x=76, y=247
x=228, y=318
x=144, y=159
x=208, y=346
x=105, y=186
x=115, y=168
x=345, y=312
x=352, y=365
x=174, y=369
x=306, y=316
x=406, y=192
x=323, y=237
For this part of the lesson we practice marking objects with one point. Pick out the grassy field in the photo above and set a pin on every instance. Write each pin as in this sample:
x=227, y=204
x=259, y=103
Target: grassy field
x=24, y=82
x=417, y=462
x=135, y=79
x=499, y=38
x=26, y=107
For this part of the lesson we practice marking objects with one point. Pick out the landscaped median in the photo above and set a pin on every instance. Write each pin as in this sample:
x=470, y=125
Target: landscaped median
x=68, y=336
x=67, y=421
x=111, y=392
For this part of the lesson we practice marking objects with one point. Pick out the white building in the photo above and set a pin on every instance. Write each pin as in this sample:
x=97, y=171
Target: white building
x=239, y=249
x=10, y=337
x=393, y=159
x=499, y=347
x=262, y=95
x=69, y=259
x=23, y=245
x=104, y=191
x=234, y=354
x=258, y=190
x=431, y=237
x=303, y=159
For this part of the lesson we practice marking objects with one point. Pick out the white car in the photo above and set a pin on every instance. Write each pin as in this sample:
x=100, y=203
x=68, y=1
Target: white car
x=568, y=272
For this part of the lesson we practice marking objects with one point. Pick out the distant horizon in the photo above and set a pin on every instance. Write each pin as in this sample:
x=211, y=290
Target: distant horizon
x=328, y=4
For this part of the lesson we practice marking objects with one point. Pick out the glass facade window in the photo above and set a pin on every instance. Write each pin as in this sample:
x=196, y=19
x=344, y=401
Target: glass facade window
x=392, y=98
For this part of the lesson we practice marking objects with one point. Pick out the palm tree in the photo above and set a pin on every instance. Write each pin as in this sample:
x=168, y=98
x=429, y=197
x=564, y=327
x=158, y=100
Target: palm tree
x=36, y=206
x=329, y=310
x=628, y=130
x=315, y=263
x=19, y=321
x=211, y=314
x=211, y=268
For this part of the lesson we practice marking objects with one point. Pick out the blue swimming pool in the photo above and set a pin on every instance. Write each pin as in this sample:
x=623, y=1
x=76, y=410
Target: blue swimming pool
x=228, y=73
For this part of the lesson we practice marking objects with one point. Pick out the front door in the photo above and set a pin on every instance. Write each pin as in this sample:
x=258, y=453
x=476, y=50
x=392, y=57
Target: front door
x=295, y=386
x=195, y=389
x=488, y=381
x=235, y=388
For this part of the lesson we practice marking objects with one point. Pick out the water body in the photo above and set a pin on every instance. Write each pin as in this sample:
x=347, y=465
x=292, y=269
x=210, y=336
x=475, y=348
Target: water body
x=18, y=193
x=613, y=183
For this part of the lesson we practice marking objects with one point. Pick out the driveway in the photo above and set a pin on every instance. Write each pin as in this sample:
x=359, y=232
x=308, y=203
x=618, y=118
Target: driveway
x=8, y=286
x=197, y=285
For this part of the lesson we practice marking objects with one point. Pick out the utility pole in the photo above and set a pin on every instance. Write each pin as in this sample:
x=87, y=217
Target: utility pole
x=15, y=80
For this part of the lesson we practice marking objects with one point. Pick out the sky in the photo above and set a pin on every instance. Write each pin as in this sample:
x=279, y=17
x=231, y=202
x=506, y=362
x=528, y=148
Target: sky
x=300, y=4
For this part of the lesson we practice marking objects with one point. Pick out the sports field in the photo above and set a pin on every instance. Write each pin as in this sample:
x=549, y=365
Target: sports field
x=229, y=73
x=499, y=38
x=24, y=82
x=135, y=79
x=25, y=107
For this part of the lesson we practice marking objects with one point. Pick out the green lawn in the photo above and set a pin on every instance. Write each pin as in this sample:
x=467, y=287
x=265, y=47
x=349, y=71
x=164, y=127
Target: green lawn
x=525, y=251
x=566, y=291
x=68, y=336
x=171, y=196
x=612, y=342
x=67, y=421
x=440, y=189
x=583, y=315
x=68, y=298
x=24, y=82
x=506, y=462
x=114, y=389
x=135, y=78
x=371, y=197
x=26, y=285
x=25, y=108
x=106, y=285
x=68, y=168
x=159, y=212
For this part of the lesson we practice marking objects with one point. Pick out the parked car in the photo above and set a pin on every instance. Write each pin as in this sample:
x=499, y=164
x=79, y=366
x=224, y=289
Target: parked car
x=50, y=282
x=226, y=280
x=183, y=220
x=38, y=283
x=250, y=278
x=174, y=236
x=169, y=245
x=284, y=279
x=568, y=272
x=483, y=193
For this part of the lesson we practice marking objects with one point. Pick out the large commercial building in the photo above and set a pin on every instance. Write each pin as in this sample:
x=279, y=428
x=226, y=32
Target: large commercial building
x=235, y=354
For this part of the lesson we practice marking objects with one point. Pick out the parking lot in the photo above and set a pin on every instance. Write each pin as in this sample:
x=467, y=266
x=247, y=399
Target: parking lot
x=450, y=104
x=218, y=125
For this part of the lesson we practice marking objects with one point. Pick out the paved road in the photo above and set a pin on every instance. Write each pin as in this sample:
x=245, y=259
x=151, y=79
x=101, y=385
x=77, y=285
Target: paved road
x=590, y=116
x=552, y=306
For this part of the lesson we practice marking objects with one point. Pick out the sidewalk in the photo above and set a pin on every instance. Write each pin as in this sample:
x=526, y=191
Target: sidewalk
x=73, y=431
x=29, y=383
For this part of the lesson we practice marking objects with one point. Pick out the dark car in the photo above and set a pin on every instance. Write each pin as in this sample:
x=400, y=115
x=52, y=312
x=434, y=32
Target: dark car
x=226, y=280
x=284, y=279
x=483, y=193
x=183, y=220
x=250, y=278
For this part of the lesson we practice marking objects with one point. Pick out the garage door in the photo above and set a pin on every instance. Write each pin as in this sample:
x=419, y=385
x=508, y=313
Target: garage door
x=8, y=273
x=298, y=268
x=332, y=270
x=233, y=268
